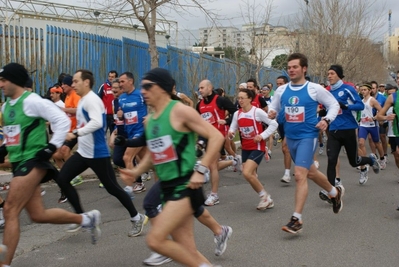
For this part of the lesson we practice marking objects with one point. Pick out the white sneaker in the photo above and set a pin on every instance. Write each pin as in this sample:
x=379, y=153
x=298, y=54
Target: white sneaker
x=212, y=200
x=266, y=202
x=363, y=177
x=317, y=164
x=286, y=178
x=72, y=228
x=383, y=164
x=238, y=166
x=156, y=259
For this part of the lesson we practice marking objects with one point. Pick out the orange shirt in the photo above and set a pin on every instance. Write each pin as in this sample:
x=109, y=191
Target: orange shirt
x=71, y=101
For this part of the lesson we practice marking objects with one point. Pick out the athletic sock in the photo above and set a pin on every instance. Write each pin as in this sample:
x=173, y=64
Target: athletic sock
x=287, y=172
x=85, y=220
x=333, y=193
x=130, y=188
x=262, y=193
x=135, y=218
x=298, y=215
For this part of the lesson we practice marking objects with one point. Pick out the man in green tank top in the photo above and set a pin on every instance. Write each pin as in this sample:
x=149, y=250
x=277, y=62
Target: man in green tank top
x=171, y=151
x=24, y=125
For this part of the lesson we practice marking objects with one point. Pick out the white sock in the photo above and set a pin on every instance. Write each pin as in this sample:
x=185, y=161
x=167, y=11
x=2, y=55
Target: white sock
x=130, y=188
x=204, y=265
x=333, y=192
x=299, y=216
x=262, y=193
x=85, y=220
x=287, y=172
x=135, y=218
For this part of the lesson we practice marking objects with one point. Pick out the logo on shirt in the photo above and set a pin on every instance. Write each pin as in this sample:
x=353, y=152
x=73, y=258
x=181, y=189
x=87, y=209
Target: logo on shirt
x=294, y=100
x=155, y=130
x=340, y=93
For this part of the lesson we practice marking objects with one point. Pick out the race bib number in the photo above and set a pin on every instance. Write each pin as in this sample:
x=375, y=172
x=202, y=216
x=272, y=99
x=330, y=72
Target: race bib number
x=247, y=132
x=131, y=117
x=208, y=116
x=162, y=149
x=295, y=114
x=13, y=134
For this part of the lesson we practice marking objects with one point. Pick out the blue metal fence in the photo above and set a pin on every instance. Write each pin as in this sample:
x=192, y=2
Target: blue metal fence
x=47, y=53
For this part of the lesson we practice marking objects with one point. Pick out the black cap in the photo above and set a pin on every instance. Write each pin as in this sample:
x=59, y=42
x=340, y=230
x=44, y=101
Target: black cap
x=161, y=77
x=389, y=86
x=15, y=73
x=338, y=70
x=67, y=80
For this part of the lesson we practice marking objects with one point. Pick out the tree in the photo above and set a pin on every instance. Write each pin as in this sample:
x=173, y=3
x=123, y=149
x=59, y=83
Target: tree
x=280, y=62
x=149, y=11
x=340, y=32
x=236, y=54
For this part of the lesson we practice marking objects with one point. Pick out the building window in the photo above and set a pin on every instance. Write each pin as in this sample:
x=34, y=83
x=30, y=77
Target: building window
x=205, y=31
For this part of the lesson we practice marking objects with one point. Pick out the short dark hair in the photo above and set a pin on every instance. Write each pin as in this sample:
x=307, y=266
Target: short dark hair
x=373, y=82
x=253, y=80
x=249, y=93
x=86, y=75
x=219, y=91
x=303, y=60
x=113, y=71
x=128, y=74
x=285, y=79
x=61, y=77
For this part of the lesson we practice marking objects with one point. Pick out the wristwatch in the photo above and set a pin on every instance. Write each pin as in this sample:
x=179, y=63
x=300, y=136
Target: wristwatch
x=201, y=168
x=327, y=120
x=75, y=132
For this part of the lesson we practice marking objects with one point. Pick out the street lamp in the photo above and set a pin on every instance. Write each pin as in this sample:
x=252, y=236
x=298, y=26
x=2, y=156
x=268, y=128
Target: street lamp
x=96, y=14
x=167, y=38
x=135, y=26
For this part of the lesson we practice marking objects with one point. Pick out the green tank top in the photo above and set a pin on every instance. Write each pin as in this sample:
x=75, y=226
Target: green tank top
x=173, y=152
x=25, y=135
x=395, y=123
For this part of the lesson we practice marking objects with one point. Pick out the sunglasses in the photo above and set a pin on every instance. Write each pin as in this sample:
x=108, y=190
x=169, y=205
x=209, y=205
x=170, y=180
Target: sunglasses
x=147, y=86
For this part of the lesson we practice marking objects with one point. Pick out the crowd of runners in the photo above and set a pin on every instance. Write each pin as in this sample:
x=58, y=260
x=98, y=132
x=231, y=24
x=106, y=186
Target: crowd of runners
x=155, y=132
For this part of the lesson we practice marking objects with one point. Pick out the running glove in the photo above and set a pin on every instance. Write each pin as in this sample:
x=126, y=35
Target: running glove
x=47, y=152
x=343, y=106
x=3, y=153
x=120, y=140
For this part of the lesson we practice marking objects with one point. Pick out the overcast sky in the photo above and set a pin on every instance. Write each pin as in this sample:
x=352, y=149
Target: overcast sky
x=229, y=13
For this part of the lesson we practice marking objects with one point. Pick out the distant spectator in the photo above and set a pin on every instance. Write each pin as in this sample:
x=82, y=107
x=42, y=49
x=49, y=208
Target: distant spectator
x=58, y=83
x=106, y=95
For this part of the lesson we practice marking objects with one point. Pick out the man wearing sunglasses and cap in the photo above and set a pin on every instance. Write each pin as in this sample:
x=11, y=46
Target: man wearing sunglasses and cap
x=171, y=144
x=24, y=117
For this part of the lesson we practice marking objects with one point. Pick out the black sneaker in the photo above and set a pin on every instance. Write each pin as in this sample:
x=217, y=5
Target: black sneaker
x=62, y=199
x=294, y=226
x=337, y=202
x=323, y=195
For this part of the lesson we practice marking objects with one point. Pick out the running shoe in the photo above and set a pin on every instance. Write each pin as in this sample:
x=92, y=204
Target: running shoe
x=238, y=165
x=212, y=200
x=294, y=226
x=316, y=164
x=265, y=203
x=276, y=137
x=363, y=177
x=42, y=192
x=338, y=181
x=383, y=164
x=286, y=178
x=137, y=226
x=267, y=155
x=323, y=195
x=129, y=191
x=72, y=228
x=337, y=202
x=101, y=185
x=77, y=181
x=156, y=259
x=321, y=150
x=375, y=165
x=62, y=198
x=139, y=187
x=221, y=240
x=94, y=227
x=145, y=177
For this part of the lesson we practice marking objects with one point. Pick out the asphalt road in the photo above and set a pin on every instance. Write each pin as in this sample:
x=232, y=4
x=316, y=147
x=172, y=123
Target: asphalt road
x=365, y=233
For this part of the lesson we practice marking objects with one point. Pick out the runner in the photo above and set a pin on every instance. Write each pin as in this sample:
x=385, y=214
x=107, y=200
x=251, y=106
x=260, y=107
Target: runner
x=299, y=100
x=172, y=152
x=93, y=152
x=24, y=116
x=248, y=120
